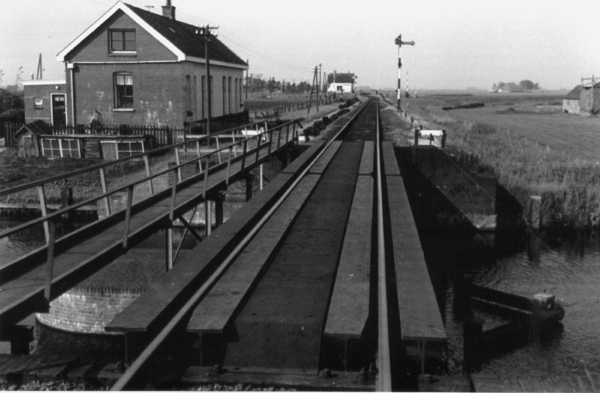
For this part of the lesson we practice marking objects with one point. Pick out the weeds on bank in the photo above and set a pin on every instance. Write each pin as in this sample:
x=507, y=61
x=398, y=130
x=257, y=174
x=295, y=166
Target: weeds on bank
x=570, y=188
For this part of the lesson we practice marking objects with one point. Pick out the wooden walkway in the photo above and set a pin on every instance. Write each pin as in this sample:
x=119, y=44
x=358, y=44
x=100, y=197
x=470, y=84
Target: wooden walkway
x=80, y=256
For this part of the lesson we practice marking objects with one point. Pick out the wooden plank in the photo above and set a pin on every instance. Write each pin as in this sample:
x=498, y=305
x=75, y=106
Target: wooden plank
x=215, y=310
x=389, y=159
x=420, y=317
x=323, y=161
x=367, y=159
x=349, y=308
x=191, y=268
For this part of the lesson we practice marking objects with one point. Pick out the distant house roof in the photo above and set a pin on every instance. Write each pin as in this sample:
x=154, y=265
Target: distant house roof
x=510, y=87
x=574, y=94
x=38, y=127
x=340, y=78
x=183, y=39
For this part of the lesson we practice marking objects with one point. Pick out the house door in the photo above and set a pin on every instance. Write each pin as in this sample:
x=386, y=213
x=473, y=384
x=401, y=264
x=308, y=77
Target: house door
x=59, y=109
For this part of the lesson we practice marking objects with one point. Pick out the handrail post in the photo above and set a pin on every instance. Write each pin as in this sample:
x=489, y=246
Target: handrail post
x=244, y=154
x=173, y=196
x=279, y=137
x=206, y=172
x=50, y=258
x=44, y=209
x=148, y=173
x=287, y=134
x=228, y=166
x=258, y=138
x=233, y=143
x=218, y=149
x=128, y=216
x=178, y=162
x=270, y=143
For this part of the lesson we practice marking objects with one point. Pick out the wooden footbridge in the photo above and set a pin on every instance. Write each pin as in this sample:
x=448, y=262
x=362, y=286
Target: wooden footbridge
x=319, y=280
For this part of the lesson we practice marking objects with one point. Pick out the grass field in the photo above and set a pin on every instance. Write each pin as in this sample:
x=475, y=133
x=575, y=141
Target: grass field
x=529, y=144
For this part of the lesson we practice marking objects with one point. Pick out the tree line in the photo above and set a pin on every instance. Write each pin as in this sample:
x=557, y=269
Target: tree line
x=256, y=83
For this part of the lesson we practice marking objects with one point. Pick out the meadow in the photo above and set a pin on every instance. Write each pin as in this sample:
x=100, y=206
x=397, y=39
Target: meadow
x=529, y=144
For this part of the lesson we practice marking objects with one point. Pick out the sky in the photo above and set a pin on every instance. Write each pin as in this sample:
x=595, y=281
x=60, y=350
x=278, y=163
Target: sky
x=458, y=43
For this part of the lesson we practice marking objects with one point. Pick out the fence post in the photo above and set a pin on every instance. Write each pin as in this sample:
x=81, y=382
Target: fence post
x=228, y=165
x=206, y=172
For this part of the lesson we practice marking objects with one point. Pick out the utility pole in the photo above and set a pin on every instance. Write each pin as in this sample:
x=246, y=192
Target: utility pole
x=206, y=31
x=315, y=78
x=318, y=83
x=399, y=42
x=247, y=70
x=40, y=69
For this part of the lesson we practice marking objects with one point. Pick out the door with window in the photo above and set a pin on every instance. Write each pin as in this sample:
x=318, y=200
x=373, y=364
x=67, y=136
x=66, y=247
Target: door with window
x=59, y=109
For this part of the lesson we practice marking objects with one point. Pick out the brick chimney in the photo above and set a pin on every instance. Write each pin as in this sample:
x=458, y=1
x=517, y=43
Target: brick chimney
x=169, y=10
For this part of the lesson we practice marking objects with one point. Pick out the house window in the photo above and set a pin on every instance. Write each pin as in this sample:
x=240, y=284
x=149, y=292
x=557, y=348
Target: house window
x=60, y=148
x=122, y=41
x=38, y=103
x=123, y=90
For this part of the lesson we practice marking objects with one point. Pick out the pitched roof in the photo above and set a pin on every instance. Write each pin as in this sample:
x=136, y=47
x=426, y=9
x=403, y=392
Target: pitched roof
x=38, y=127
x=574, y=94
x=179, y=37
x=187, y=37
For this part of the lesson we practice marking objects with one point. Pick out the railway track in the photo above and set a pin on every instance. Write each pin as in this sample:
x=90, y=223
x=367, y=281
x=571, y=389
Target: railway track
x=303, y=294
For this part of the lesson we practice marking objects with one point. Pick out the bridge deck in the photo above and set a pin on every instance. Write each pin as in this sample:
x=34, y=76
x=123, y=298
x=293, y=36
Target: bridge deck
x=180, y=281
x=216, y=309
x=23, y=293
x=420, y=318
x=349, y=308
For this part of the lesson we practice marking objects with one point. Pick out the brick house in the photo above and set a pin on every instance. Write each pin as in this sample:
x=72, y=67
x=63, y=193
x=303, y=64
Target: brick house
x=133, y=66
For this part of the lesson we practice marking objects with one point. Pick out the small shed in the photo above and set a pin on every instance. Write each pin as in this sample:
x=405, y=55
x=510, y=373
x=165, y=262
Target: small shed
x=28, y=138
x=589, y=102
x=571, y=100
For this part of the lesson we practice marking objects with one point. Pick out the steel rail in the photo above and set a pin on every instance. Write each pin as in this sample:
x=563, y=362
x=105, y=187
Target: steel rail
x=384, y=376
x=139, y=362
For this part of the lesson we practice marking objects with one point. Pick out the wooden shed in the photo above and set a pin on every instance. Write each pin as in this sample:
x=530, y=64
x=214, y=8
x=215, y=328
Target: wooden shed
x=28, y=138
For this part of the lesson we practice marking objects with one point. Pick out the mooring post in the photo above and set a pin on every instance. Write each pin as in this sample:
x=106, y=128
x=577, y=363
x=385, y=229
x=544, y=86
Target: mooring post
x=416, y=137
x=260, y=177
x=219, y=200
x=472, y=330
x=443, y=139
x=535, y=204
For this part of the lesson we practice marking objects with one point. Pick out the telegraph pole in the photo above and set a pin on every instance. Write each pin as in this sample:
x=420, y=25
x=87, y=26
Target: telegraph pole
x=206, y=31
x=399, y=42
x=247, y=70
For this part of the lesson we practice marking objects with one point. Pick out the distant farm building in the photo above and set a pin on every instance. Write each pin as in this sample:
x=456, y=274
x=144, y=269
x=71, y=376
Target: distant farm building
x=510, y=87
x=589, y=102
x=341, y=82
x=571, y=100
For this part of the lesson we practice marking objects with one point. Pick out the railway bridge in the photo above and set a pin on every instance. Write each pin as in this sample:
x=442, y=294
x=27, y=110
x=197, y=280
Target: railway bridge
x=318, y=281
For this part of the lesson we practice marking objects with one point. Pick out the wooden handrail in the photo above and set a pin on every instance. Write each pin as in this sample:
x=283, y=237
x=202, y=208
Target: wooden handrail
x=58, y=213
x=114, y=162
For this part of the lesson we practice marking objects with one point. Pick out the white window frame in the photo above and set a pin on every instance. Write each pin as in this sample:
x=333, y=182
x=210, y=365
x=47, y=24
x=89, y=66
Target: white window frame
x=60, y=147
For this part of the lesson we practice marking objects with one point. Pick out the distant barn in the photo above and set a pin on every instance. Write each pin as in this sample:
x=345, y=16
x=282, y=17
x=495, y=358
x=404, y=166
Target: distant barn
x=589, y=101
x=571, y=100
